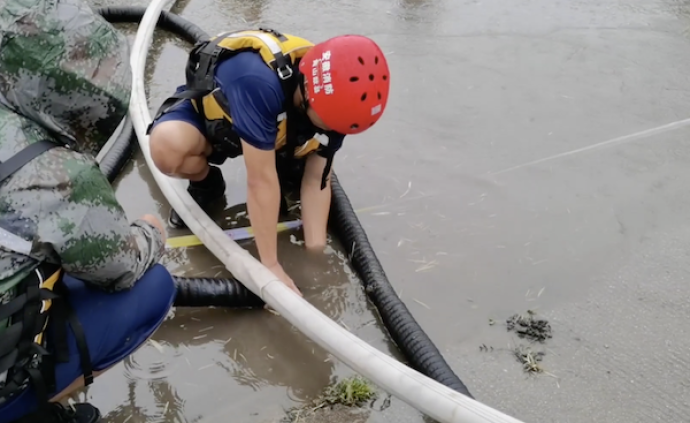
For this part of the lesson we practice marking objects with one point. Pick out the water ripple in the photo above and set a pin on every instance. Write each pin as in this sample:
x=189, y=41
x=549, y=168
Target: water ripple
x=151, y=362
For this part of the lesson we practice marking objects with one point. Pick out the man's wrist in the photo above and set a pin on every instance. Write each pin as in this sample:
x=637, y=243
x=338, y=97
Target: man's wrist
x=270, y=263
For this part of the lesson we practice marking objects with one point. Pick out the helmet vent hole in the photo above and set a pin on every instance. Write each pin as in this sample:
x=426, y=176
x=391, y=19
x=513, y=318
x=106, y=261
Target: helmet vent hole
x=376, y=60
x=371, y=77
x=364, y=96
x=354, y=126
x=379, y=95
x=385, y=77
x=354, y=79
x=360, y=60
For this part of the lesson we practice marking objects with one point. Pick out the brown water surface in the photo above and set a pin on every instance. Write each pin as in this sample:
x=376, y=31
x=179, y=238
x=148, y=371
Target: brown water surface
x=466, y=228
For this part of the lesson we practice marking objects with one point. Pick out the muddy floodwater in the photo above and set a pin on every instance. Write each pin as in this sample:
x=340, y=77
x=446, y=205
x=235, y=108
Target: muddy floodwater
x=484, y=197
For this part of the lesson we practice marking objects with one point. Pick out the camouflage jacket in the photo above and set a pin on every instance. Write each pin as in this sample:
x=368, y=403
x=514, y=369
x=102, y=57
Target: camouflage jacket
x=65, y=75
x=61, y=208
x=64, y=209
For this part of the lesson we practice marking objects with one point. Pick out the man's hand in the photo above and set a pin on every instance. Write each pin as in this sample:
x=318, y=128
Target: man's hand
x=277, y=270
x=155, y=222
x=316, y=203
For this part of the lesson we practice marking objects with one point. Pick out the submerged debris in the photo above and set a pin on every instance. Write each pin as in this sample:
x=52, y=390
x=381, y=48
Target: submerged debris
x=533, y=330
x=352, y=392
x=530, y=360
x=527, y=326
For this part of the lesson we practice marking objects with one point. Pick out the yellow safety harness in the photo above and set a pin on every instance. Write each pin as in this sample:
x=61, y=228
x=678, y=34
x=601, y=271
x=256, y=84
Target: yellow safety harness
x=282, y=53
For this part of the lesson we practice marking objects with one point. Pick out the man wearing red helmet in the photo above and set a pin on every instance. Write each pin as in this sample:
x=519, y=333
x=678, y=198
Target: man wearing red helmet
x=282, y=103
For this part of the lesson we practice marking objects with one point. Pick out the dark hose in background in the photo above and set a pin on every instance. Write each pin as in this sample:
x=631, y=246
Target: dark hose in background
x=401, y=325
x=404, y=330
x=120, y=151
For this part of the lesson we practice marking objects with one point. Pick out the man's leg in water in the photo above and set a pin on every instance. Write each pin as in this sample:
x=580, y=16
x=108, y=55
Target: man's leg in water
x=179, y=149
x=115, y=326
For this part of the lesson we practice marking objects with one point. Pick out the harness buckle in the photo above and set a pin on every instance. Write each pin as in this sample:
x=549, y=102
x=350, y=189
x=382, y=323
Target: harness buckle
x=284, y=72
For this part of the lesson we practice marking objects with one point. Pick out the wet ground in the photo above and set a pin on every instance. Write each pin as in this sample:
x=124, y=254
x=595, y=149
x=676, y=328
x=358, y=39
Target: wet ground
x=474, y=221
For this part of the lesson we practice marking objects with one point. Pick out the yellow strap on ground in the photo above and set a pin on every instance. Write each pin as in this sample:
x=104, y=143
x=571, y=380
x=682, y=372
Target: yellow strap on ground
x=235, y=233
x=239, y=234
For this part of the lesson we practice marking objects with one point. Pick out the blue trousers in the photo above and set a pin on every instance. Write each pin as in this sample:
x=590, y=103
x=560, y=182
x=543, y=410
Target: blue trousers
x=115, y=325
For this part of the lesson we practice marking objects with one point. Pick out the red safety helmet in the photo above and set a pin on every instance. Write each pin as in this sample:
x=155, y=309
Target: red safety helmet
x=347, y=82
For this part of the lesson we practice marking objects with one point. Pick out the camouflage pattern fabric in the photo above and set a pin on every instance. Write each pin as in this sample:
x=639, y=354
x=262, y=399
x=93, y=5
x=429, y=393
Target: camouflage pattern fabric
x=64, y=206
x=64, y=74
x=65, y=71
x=64, y=66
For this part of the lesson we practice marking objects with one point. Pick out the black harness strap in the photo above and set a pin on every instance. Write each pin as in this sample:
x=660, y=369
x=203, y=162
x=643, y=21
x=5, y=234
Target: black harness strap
x=27, y=154
x=17, y=346
x=278, y=35
x=200, y=72
x=199, y=75
x=18, y=303
x=65, y=313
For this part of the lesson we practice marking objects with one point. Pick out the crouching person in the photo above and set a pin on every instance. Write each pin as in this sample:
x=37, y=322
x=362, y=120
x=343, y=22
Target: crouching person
x=80, y=287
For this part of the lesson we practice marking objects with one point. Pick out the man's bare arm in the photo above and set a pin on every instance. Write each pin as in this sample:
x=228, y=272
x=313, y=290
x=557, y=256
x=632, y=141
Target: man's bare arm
x=263, y=200
x=316, y=203
x=263, y=205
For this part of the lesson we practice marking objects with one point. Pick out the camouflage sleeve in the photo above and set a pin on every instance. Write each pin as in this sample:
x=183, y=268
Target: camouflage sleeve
x=95, y=242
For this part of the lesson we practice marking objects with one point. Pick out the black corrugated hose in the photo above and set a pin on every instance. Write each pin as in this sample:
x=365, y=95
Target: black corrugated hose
x=404, y=330
x=209, y=292
x=402, y=326
x=120, y=151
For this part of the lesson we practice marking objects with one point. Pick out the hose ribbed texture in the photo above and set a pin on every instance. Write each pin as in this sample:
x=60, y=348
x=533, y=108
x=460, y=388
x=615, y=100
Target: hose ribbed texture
x=168, y=21
x=412, y=341
x=120, y=152
x=404, y=330
x=208, y=292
